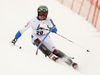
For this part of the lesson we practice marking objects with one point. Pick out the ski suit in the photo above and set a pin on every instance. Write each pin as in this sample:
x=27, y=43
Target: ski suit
x=48, y=47
x=38, y=32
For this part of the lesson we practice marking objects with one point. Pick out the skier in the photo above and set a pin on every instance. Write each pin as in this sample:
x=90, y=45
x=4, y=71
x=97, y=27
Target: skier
x=41, y=25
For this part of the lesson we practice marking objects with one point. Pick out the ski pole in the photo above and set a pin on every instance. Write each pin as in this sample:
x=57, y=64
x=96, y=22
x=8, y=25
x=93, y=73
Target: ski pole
x=44, y=39
x=18, y=46
x=11, y=44
x=71, y=41
x=63, y=37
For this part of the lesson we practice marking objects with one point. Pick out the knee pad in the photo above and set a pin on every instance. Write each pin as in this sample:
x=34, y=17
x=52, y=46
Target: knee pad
x=43, y=48
x=58, y=53
x=37, y=42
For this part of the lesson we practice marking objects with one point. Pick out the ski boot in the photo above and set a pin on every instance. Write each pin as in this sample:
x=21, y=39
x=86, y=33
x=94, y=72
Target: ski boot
x=53, y=57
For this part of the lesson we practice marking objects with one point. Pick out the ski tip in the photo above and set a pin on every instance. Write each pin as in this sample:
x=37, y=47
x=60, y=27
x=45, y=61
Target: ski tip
x=74, y=65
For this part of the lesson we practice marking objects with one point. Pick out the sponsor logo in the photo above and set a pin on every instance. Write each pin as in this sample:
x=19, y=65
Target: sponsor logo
x=27, y=24
x=53, y=47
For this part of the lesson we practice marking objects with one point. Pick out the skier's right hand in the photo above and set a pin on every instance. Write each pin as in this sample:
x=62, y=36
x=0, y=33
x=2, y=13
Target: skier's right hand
x=14, y=41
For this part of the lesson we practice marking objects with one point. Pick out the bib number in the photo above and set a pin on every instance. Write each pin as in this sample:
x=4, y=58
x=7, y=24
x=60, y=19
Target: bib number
x=39, y=33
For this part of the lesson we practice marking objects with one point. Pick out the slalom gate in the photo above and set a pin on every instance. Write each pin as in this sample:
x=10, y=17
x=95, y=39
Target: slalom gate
x=89, y=9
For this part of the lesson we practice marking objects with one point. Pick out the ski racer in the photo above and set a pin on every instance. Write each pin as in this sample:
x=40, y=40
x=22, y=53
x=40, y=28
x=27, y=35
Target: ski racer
x=41, y=25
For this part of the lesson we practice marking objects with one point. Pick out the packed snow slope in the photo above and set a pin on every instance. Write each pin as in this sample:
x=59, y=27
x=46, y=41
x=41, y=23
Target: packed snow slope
x=13, y=61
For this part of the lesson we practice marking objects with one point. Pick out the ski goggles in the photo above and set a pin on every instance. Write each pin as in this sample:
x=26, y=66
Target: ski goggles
x=42, y=13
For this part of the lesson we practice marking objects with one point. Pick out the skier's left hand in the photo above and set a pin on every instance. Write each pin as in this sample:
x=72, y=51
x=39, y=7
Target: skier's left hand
x=54, y=29
x=14, y=41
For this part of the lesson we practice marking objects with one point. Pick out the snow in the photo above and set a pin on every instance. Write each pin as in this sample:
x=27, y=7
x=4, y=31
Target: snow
x=14, y=61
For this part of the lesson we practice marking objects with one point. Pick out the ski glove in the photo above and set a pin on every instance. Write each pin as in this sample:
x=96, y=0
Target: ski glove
x=54, y=29
x=14, y=41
